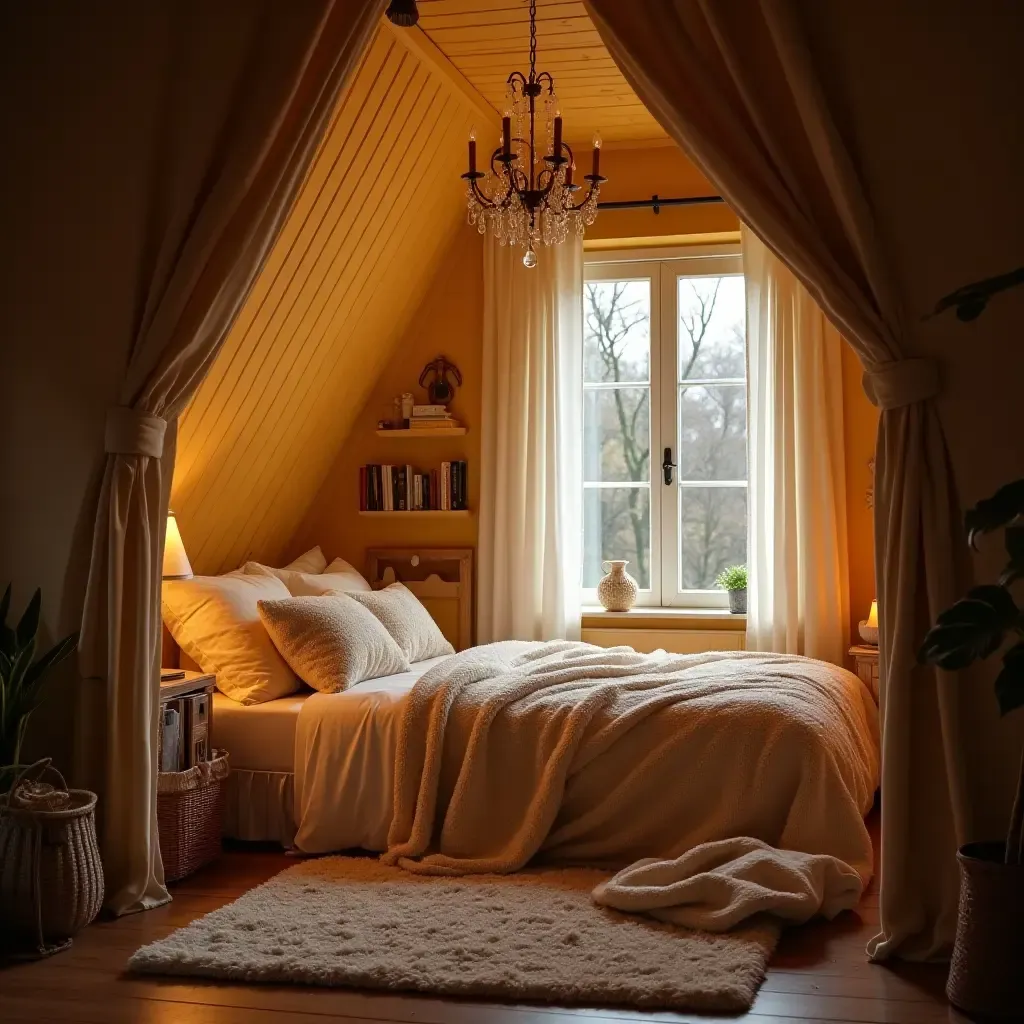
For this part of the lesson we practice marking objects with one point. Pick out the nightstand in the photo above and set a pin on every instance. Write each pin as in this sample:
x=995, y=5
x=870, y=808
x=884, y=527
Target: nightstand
x=865, y=660
x=186, y=709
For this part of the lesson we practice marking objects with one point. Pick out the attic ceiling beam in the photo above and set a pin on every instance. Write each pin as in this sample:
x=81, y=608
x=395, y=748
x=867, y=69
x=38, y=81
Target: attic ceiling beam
x=421, y=46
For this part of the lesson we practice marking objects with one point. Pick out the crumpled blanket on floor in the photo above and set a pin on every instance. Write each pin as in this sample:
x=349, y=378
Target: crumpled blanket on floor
x=716, y=886
x=585, y=755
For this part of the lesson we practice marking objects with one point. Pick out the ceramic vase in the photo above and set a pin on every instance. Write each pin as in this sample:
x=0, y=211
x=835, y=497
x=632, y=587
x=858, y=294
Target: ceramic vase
x=617, y=590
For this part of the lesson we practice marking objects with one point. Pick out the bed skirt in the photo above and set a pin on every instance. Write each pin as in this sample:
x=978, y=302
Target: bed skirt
x=259, y=806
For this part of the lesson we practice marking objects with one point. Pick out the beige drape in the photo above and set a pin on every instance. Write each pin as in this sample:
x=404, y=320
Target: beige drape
x=798, y=594
x=735, y=85
x=246, y=90
x=531, y=477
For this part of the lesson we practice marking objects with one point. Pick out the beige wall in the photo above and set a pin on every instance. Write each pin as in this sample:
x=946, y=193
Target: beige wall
x=447, y=322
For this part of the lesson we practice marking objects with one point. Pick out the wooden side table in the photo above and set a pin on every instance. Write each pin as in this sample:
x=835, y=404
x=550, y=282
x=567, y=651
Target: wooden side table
x=190, y=698
x=865, y=660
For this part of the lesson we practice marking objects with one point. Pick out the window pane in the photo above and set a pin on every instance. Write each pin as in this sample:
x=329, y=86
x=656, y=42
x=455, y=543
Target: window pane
x=712, y=328
x=713, y=432
x=712, y=533
x=616, y=434
x=617, y=331
x=617, y=524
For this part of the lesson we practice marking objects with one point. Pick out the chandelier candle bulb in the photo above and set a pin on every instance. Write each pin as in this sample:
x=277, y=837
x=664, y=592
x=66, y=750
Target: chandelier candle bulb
x=569, y=168
x=506, y=136
x=597, y=156
x=557, y=146
x=472, y=152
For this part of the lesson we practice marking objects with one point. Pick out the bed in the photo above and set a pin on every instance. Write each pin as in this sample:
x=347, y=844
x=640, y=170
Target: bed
x=780, y=748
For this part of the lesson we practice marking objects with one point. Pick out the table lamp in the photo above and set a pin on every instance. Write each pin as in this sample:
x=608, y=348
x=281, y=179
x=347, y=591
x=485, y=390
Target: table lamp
x=868, y=627
x=176, y=563
x=176, y=567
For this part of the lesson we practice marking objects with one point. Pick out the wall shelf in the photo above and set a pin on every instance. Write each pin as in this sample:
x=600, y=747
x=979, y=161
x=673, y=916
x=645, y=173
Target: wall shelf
x=423, y=432
x=429, y=513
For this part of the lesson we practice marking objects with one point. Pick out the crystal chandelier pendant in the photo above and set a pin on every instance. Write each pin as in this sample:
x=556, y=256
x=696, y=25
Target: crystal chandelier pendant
x=525, y=194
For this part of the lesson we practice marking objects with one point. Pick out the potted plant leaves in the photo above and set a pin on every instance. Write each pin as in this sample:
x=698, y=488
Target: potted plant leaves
x=21, y=679
x=734, y=580
x=986, y=975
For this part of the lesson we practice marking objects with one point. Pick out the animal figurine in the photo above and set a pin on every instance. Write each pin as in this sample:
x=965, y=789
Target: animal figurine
x=434, y=378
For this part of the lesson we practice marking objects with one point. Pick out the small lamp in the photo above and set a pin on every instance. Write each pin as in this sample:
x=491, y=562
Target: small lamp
x=868, y=627
x=176, y=563
x=176, y=567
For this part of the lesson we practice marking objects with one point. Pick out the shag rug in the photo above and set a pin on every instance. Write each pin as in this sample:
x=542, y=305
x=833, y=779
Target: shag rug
x=536, y=935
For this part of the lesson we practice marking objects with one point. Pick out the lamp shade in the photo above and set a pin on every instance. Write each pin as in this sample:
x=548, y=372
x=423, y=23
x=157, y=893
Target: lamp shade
x=873, y=615
x=176, y=563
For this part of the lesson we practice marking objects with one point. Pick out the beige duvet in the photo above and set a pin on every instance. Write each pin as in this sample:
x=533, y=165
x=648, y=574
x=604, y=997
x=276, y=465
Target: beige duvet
x=604, y=756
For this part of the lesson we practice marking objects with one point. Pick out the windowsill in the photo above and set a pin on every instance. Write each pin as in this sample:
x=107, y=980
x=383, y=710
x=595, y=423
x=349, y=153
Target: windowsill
x=663, y=618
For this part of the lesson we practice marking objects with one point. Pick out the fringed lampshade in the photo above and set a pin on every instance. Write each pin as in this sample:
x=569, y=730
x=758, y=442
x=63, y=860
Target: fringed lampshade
x=403, y=12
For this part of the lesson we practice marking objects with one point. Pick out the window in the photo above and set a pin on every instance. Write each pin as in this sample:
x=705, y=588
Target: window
x=664, y=397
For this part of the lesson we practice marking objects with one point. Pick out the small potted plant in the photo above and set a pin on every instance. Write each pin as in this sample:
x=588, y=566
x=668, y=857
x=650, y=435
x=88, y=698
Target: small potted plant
x=734, y=580
x=985, y=976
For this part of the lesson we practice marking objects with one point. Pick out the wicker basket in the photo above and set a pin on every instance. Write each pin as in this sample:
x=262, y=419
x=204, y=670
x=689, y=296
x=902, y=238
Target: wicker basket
x=987, y=973
x=190, y=816
x=51, y=878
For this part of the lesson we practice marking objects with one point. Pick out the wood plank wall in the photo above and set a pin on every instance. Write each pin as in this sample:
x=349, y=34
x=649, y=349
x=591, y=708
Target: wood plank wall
x=381, y=204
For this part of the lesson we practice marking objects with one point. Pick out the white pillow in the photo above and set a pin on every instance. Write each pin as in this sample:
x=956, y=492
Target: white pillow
x=216, y=622
x=306, y=584
x=402, y=615
x=353, y=579
x=331, y=642
x=312, y=561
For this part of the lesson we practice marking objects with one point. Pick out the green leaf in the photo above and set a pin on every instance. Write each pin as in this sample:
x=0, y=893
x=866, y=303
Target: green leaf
x=1010, y=682
x=54, y=656
x=1014, y=537
x=973, y=628
x=29, y=624
x=990, y=514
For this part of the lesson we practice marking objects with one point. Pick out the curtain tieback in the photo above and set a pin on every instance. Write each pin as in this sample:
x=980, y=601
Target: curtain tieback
x=134, y=433
x=903, y=382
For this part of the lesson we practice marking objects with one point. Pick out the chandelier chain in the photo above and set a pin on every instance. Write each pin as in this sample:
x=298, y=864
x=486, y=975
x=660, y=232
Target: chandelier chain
x=533, y=40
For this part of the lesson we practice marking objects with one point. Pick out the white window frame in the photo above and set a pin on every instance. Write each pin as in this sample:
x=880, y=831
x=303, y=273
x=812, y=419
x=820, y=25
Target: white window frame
x=662, y=267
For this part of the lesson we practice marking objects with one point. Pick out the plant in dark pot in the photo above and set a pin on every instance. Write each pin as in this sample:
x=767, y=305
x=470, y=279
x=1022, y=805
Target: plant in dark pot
x=987, y=972
x=21, y=680
x=734, y=580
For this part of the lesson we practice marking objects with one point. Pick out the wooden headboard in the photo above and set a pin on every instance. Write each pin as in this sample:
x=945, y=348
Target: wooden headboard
x=442, y=578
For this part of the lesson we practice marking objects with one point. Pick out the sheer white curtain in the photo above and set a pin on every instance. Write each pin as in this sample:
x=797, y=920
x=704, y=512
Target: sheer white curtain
x=798, y=590
x=531, y=448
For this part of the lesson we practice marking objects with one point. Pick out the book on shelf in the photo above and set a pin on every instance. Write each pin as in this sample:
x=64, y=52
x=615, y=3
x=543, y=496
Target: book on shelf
x=387, y=488
x=419, y=411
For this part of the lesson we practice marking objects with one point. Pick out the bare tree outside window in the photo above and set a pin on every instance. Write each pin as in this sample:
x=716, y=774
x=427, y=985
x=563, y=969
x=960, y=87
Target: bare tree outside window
x=709, y=441
x=617, y=427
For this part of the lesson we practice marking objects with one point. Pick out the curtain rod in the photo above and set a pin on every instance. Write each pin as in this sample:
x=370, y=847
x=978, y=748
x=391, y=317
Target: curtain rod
x=656, y=203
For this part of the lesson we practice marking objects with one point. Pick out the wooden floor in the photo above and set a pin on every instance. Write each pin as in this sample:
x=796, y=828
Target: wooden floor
x=818, y=974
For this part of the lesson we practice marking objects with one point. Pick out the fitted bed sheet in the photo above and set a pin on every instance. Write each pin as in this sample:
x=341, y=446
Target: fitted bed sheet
x=263, y=800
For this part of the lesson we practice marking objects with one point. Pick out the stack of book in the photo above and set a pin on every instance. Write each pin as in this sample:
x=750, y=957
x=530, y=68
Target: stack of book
x=432, y=417
x=404, y=489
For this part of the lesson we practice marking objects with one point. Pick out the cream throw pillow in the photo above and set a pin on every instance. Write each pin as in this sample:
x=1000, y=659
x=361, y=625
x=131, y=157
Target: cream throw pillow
x=331, y=642
x=402, y=615
x=216, y=622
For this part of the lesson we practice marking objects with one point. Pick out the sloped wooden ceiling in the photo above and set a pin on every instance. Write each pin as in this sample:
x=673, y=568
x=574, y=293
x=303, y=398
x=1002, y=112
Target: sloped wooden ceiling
x=381, y=203
x=487, y=39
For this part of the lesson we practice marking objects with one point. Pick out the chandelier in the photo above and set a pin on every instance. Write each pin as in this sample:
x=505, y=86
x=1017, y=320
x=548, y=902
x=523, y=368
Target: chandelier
x=526, y=195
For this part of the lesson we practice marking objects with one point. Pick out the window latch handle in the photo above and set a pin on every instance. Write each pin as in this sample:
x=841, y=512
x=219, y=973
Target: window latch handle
x=667, y=465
